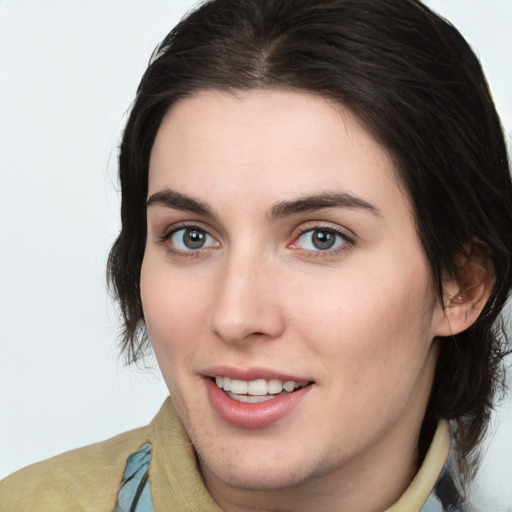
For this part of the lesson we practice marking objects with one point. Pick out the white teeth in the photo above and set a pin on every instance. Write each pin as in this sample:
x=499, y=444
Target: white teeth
x=289, y=386
x=274, y=386
x=249, y=399
x=259, y=387
x=239, y=386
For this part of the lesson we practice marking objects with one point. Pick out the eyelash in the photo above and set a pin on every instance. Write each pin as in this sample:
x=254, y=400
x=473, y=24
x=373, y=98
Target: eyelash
x=348, y=241
x=164, y=239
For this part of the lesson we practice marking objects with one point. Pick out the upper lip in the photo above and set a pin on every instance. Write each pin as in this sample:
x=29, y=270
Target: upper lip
x=252, y=373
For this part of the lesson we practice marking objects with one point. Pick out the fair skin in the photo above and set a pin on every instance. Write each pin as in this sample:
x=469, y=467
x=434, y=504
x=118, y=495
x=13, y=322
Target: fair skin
x=331, y=291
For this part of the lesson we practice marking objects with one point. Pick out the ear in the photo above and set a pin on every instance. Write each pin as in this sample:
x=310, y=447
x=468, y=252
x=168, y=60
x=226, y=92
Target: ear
x=465, y=295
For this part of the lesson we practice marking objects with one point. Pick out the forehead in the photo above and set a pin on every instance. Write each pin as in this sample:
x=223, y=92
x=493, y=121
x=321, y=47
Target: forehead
x=266, y=144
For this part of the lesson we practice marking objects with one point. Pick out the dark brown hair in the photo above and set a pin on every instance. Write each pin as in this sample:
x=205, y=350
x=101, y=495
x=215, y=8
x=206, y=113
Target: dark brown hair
x=417, y=86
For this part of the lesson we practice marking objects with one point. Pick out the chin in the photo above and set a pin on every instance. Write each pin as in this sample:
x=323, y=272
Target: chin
x=252, y=464
x=254, y=477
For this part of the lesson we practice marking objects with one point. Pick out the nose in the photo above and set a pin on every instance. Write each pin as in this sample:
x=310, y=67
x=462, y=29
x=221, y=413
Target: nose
x=247, y=305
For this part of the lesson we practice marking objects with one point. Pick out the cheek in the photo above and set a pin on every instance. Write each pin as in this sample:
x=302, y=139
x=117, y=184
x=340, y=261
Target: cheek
x=174, y=313
x=376, y=321
x=378, y=358
x=175, y=307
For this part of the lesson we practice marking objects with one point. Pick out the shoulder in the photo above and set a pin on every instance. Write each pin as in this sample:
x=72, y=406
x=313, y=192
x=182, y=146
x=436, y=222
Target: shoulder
x=86, y=479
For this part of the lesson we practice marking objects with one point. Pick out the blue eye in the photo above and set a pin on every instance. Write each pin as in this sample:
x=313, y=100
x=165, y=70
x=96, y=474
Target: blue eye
x=192, y=239
x=321, y=240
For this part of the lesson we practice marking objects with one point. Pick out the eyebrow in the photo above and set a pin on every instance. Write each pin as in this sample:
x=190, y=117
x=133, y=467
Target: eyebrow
x=172, y=199
x=332, y=199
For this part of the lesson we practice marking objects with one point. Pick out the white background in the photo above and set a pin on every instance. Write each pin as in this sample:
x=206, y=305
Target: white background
x=68, y=73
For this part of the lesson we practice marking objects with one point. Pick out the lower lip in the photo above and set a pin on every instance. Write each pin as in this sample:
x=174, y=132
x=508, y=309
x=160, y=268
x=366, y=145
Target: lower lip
x=253, y=415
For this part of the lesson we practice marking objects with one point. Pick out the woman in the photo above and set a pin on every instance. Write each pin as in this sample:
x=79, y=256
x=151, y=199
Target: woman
x=316, y=239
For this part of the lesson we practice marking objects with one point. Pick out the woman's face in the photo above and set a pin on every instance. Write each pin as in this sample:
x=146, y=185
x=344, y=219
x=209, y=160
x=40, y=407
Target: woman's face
x=282, y=253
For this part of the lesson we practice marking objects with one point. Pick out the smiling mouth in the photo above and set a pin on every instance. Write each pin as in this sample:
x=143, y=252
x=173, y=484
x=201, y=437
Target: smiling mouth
x=257, y=391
